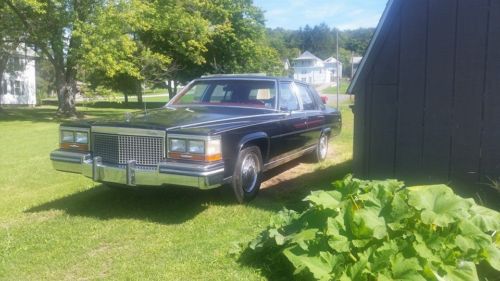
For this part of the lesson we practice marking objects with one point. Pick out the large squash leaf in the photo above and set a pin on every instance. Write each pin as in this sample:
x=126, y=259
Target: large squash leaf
x=438, y=204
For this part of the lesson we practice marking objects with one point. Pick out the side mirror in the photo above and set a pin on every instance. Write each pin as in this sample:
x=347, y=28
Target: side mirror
x=324, y=99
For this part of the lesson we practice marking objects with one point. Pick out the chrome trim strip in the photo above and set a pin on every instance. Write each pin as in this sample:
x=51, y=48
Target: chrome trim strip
x=191, y=173
x=78, y=129
x=223, y=120
x=287, y=158
x=192, y=137
x=128, y=131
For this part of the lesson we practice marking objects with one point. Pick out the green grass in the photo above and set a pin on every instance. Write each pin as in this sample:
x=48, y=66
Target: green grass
x=344, y=84
x=60, y=226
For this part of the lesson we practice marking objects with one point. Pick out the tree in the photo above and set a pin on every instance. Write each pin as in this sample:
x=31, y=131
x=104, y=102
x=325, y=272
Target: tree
x=120, y=61
x=203, y=37
x=63, y=30
x=11, y=37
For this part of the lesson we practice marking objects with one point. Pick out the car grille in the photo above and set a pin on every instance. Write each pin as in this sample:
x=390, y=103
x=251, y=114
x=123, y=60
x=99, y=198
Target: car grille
x=119, y=149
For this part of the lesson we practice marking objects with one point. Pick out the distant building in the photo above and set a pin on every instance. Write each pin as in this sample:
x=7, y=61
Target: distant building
x=19, y=79
x=331, y=65
x=355, y=61
x=311, y=69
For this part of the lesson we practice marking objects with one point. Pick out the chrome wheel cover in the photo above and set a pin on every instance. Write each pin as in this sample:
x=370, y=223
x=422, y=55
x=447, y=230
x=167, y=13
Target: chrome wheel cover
x=323, y=146
x=249, y=172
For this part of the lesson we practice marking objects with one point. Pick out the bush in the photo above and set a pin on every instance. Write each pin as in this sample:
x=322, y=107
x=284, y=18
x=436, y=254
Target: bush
x=380, y=230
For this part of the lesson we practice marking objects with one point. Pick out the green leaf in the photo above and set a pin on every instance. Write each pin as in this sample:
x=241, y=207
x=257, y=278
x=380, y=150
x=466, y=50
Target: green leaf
x=301, y=238
x=325, y=199
x=484, y=218
x=424, y=252
x=406, y=268
x=438, y=204
x=278, y=237
x=493, y=256
x=366, y=224
x=464, y=271
x=316, y=265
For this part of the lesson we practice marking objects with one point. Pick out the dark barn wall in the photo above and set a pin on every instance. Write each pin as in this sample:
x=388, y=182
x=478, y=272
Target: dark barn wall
x=428, y=105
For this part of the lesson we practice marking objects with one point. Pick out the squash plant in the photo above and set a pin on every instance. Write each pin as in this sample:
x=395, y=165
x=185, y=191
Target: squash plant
x=380, y=230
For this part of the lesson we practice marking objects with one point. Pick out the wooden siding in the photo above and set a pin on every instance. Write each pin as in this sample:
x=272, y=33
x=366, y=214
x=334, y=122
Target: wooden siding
x=428, y=108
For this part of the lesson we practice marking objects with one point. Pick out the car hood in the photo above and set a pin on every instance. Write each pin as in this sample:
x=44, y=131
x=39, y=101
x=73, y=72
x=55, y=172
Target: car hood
x=195, y=119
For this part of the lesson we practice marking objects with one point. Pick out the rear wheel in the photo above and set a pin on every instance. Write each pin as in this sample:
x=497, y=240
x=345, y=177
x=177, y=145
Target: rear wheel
x=247, y=174
x=321, y=151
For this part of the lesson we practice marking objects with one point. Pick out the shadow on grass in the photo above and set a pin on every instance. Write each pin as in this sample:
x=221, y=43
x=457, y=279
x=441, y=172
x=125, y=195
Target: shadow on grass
x=29, y=114
x=95, y=110
x=175, y=205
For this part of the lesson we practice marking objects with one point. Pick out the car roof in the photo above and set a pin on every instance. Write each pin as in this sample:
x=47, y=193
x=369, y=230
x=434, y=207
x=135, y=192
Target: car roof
x=246, y=76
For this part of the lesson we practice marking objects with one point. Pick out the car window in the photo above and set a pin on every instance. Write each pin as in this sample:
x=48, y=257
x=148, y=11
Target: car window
x=308, y=102
x=288, y=99
x=233, y=92
x=194, y=94
x=317, y=97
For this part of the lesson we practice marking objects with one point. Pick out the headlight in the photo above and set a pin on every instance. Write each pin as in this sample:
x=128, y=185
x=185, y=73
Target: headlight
x=67, y=136
x=81, y=137
x=196, y=146
x=177, y=145
x=73, y=138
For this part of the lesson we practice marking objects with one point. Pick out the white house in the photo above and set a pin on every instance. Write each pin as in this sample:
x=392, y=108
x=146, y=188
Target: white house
x=311, y=69
x=19, y=80
x=331, y=65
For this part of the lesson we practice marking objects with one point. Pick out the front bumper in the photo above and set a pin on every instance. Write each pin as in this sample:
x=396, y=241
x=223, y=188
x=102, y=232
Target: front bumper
x=171, y=173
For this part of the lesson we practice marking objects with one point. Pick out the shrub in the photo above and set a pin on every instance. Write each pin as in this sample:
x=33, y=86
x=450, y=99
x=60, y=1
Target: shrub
x=380, y=230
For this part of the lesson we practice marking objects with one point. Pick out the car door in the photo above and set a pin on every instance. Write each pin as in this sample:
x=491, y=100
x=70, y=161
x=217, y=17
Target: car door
x=314, y=115
x=291, y=138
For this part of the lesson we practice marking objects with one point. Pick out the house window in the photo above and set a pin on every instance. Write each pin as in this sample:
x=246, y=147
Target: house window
x=18, y=88
x=4, y=87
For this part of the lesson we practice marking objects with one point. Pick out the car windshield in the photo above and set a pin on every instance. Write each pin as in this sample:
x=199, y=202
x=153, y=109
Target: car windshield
x=231, y=92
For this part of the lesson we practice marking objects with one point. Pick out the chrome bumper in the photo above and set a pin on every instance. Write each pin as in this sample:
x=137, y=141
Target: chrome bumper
x=171, y=173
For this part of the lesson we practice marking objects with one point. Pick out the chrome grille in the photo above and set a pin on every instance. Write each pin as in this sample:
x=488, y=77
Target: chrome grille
x=119, y=149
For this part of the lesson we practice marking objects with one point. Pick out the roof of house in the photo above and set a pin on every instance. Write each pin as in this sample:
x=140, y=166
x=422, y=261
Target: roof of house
x=332, y=60
x=356, y=59
x=375, y=44
x=307, y=56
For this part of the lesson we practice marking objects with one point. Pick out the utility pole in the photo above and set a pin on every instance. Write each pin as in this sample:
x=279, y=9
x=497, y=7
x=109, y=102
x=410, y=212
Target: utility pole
x=338, y=78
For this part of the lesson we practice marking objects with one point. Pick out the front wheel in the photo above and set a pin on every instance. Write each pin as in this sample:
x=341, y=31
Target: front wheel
x=247, y=174
x=321, y=150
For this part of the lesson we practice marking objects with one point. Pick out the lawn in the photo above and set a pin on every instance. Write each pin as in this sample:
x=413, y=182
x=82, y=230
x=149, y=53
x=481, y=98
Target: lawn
x=344, y=84
x=59, y=226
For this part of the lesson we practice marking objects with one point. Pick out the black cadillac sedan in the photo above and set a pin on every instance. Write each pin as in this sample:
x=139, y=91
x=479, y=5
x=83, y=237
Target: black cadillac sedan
x=218, y=130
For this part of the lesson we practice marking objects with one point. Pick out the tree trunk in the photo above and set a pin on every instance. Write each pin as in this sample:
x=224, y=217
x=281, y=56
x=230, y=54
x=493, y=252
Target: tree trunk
x=139, y=92
x=65, y=87
x=126, y=98
x=172, y=88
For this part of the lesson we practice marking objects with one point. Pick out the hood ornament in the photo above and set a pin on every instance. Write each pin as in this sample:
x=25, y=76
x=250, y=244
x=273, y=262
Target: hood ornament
x=128, y=116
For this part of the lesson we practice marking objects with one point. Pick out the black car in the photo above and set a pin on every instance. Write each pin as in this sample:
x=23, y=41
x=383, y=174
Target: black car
x=217, y=130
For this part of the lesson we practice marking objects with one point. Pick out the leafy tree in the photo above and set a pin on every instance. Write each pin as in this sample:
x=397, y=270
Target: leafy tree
x=119, y=61
x=63, y=30
x=11, y=37
x=202, y=37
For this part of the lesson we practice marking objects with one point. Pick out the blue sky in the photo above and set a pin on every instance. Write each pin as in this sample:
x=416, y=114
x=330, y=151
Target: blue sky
x=344, y=14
